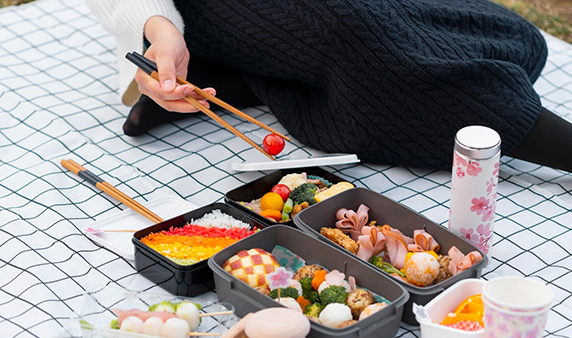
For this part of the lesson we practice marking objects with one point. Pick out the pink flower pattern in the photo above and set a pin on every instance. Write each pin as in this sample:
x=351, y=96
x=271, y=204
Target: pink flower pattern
x=279, y=278
x=484, y=206
x=469, y=235
x=512, y=325
x=473, y=168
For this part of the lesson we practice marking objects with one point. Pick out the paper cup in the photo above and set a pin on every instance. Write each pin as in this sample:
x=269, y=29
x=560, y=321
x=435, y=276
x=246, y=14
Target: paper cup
x=516, y=307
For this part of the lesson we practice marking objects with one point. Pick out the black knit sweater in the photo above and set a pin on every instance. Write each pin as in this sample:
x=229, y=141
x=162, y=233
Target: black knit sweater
x=389, y=80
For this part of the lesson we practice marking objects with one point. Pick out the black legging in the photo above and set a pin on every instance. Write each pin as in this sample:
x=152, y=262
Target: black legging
x=549, y=142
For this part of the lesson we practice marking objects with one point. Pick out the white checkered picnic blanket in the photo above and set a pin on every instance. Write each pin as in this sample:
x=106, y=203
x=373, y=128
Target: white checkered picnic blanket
x=58, y=99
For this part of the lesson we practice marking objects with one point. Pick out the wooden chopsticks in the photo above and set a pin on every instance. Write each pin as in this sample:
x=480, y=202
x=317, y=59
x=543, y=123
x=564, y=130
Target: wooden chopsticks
x=150, y=68
x=110, y=190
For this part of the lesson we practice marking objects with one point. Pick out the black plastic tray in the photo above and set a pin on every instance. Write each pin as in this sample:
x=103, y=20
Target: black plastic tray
x=181, y=280
x=385, y=211
x=384, y=323
x=259, y=187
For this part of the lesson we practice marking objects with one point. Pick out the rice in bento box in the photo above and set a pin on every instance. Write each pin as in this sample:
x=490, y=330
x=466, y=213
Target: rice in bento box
x=220, y=220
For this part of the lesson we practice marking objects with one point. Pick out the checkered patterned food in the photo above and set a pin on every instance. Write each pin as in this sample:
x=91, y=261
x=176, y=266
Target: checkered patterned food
x=251, y=266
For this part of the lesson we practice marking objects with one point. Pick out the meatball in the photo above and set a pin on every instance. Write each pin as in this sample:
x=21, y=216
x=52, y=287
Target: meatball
x=444, y=272
x=346, y=323
x=307, y=271
x=358, y=300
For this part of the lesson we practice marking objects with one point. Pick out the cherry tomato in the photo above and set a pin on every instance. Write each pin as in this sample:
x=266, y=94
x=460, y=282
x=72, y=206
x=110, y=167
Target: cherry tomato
x=282, y=190
x=273, y=144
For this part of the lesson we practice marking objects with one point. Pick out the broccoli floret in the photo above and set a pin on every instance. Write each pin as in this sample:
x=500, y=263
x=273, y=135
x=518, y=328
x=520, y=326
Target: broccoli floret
x=306, y=283
x=313, y=310
x=384, y=266
x=334, y=294
x=308, y=291
x=287, y=292
x=304, y=193
x=311, y=295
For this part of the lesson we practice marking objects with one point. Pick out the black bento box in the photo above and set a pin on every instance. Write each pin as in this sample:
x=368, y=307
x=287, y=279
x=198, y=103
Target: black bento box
x=181, y=280
x=385, y=211
x=257, y=188
x=384, y=323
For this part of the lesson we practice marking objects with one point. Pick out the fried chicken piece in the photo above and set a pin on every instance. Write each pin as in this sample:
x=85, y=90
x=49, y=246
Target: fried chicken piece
x=444, y=272
x=307, y=271
x=297, y=208
x=343, y=240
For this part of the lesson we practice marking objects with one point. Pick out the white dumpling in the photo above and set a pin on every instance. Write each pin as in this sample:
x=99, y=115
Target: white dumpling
x=189, y=312
x=131, y=324
x=175, y=328
x=152, y=326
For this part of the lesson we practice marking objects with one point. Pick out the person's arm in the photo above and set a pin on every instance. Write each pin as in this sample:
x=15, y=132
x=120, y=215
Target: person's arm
x=125, y=20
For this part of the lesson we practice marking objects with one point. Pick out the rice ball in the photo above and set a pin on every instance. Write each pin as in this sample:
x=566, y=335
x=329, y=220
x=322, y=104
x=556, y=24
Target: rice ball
x=371, y=309
x=290, y=303
x=334, y=314
x=422, y=268
x=131, y=324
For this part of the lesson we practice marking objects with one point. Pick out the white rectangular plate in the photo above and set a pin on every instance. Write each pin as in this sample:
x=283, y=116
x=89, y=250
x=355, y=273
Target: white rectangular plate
x=120, y=242
x=315, y=161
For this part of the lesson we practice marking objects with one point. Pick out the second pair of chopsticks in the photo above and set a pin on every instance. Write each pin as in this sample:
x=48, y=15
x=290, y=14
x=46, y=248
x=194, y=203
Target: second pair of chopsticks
x=150, y=68
x=112, y=191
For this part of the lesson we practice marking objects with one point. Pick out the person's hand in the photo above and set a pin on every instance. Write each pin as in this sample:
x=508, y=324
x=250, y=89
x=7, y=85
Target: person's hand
x=169, y=51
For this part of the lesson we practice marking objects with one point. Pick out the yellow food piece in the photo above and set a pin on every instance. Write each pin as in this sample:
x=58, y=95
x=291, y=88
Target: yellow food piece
x=271, y=200
x=331, y=191
x=471, y=309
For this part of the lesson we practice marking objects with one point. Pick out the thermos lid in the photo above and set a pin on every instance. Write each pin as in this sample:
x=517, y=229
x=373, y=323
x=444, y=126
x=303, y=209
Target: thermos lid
x=477, y=142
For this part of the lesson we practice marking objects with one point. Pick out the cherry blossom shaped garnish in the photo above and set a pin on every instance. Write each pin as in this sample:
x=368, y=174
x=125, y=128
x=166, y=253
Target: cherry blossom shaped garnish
x=93, y=231
x=279, y=278
x=335, y=278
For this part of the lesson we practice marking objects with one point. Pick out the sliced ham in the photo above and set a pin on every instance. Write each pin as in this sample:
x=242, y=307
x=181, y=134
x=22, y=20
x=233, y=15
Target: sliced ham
x=371, y=243
x=460, y=262
x=351, y=222
x=425, y=241
x=143, y=315
x=396, y=246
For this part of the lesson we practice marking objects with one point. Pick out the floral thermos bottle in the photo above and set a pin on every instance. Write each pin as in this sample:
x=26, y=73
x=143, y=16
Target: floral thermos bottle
x=474, y=183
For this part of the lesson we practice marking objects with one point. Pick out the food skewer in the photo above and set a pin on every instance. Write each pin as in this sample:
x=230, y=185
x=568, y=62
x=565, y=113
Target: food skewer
x=97, y=232
x=110, y=190
x=150, y=68
x=210, y=314
x=193, y=334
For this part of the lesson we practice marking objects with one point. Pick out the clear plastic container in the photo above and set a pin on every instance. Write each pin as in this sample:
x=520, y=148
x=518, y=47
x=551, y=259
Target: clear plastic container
x=442, y=305
x=96, y=311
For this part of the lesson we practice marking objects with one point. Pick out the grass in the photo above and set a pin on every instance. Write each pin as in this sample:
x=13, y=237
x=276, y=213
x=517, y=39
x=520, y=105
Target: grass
x=552, y=16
